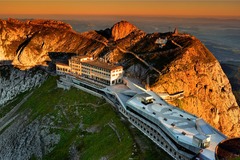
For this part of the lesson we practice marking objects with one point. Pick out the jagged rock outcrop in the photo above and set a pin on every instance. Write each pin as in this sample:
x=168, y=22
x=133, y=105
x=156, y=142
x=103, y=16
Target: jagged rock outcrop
x=122, y=29
x=183, y=64
x=24, y=140
x=27, y=43
x=14, y=82
x=207, y=91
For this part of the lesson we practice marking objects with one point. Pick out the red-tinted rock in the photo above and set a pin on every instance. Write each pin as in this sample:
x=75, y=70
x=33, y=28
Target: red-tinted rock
x=122, y=29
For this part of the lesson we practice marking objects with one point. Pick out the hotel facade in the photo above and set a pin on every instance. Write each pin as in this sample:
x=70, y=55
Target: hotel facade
x=88, y=68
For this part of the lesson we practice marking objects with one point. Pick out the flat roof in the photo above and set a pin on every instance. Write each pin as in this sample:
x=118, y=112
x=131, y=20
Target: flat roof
x=102, y=65
x=172, y=118
x=62, y=64
x=179, y=124
x=79, y=57
x=145, y=95
x=177, y=120
x=203, y=127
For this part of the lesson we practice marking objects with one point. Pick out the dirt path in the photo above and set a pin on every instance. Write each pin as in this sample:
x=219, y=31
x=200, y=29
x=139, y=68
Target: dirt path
x=9, y=117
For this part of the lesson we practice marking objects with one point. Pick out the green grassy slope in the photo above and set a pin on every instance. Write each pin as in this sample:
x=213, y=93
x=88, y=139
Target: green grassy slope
x=89, y=124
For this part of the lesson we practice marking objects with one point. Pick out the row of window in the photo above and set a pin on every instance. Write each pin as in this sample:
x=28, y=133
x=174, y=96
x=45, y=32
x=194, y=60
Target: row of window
x=76, y=69
x=94, y=72
x=118, y=74
x=95, y=67
x=63, y=69
x=75, y=62
x=104, y=81
x=75, y=66
x=147, y=128
x=117, y=70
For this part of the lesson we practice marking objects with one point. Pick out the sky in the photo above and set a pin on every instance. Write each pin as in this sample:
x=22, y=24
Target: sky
x=121, y=7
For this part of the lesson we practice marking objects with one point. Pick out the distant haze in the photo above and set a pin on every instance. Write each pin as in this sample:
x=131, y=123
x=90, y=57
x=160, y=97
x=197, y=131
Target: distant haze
x=122, y=7
x=221, y=36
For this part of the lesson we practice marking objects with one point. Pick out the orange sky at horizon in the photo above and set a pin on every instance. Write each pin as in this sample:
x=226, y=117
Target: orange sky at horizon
x=133, y=7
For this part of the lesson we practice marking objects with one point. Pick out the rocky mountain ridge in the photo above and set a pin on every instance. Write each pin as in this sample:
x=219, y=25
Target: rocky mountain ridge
x=122, y=29
x=182, y=64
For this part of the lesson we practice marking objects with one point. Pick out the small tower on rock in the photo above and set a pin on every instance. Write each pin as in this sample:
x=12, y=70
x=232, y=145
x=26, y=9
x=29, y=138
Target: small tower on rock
x=175, y=31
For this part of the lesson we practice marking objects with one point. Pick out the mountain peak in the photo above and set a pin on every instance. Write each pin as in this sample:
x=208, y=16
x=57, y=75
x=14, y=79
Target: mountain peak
x=122, y=29
x=37, y=22
x=184, y=62
x=50, y=23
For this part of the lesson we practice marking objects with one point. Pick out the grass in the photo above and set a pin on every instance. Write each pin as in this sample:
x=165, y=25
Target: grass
x=9, y=106
x=92, y=111
x=149, y=151
x=68, y=110
x=8, y=125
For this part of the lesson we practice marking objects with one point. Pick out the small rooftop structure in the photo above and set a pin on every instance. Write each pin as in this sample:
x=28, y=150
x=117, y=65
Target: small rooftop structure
x=146, y=98
x=201, y=141
x=161, y=42
x=81, y=58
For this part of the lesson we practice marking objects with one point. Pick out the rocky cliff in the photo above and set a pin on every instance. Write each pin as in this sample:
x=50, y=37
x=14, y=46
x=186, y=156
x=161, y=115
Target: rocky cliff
x=207, y=91
x=28, y=43
x=13, y=82
x=183, y=63
x=118, y=32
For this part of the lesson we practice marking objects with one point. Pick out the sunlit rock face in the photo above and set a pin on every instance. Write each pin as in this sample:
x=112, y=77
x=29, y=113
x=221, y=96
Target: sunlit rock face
x=27, y=43
x=24, y=139
x=122, y=29
x=207, y=91
x=184, y=62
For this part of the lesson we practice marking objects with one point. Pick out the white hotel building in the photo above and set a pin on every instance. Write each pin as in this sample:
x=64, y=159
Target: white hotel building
x=86, y=67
